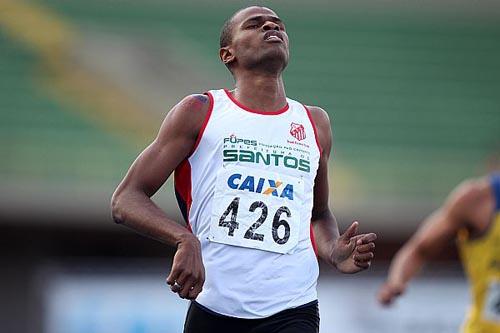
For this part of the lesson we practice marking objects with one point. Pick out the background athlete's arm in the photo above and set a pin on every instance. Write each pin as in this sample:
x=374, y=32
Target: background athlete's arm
x=436, y=231
x=131, y=203
x=349, y=252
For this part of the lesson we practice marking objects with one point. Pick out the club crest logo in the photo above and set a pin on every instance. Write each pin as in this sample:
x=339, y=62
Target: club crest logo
x=298, y=131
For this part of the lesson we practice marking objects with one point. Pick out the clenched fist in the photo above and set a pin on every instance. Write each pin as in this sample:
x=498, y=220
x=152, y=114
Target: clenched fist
x=188, y=273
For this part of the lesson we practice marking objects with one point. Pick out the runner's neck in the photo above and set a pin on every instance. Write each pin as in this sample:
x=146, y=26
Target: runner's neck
x=260, y=92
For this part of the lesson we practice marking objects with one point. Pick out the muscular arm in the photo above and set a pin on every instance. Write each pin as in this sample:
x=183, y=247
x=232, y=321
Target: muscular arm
x=348, y=252
x=325, y=227
x=131, y=203
x=436, y=231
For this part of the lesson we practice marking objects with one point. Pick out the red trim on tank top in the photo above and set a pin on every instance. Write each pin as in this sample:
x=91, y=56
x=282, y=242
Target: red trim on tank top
x=266, y=113
x=182, y=174
x=313, y=240
x=314, y=129
x=205, y=122
x=182, y=183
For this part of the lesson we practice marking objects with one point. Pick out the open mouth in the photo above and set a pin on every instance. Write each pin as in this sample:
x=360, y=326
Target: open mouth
x=273, y=37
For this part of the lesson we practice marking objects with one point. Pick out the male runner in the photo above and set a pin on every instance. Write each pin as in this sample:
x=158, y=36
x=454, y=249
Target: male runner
x=250, y=170
x=472, y=214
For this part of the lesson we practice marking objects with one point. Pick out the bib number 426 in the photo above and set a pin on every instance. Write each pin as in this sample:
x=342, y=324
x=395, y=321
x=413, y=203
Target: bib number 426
x=251, y=233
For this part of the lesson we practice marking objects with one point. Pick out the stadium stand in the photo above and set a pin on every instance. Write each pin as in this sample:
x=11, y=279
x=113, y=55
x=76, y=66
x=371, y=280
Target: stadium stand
x=413, y=101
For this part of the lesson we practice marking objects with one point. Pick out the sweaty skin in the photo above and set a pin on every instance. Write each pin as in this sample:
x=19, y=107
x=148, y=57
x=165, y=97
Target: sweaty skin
x=349, y=252
x=131, y=203
x=256, y=63
x=470, y=205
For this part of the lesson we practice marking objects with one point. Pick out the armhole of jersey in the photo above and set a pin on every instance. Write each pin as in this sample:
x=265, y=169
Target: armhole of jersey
x=205, y=122
x=182, y=188
x=316, y=137
x=463, y=235
x=313, y=240
x=182, y=174
x=495, y=183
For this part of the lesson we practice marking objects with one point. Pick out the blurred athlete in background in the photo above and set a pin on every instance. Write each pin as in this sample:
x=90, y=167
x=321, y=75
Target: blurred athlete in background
x=472, y=215
x=251, y=178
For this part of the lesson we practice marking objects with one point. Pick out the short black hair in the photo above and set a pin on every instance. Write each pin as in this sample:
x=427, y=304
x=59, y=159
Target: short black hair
x=226, y=33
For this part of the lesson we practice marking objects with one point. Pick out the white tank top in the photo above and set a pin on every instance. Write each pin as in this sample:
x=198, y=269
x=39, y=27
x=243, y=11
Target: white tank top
x=246, y=192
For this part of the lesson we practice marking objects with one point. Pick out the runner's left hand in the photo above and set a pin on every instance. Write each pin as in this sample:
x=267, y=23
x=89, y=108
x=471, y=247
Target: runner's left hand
x=352, y=253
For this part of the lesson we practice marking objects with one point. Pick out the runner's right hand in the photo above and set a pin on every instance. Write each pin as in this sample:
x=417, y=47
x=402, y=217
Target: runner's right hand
x=188, y=273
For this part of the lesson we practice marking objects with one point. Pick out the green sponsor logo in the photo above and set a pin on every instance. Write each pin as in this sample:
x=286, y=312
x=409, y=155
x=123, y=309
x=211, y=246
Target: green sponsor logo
x=235, y=155
x=233, y=139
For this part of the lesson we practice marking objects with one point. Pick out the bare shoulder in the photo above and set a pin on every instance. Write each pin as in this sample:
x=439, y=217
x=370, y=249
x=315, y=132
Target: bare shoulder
x=321, y=120
x=187, y=116
x=470, y=191
x=467, y=198
x=319, y=115
x=195, y=105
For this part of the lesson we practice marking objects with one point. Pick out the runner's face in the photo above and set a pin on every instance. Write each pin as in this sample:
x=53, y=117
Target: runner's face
x=259, y=40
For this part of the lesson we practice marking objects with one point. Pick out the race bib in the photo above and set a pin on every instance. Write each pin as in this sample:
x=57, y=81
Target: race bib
x=256, y=209
x=491, y=310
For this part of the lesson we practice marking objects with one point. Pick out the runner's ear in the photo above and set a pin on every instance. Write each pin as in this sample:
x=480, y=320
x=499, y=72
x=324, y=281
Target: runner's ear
x=226, y=55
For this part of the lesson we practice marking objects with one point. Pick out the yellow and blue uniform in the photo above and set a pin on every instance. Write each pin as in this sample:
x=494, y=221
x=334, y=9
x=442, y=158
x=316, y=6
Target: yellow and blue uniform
x=481, y=261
